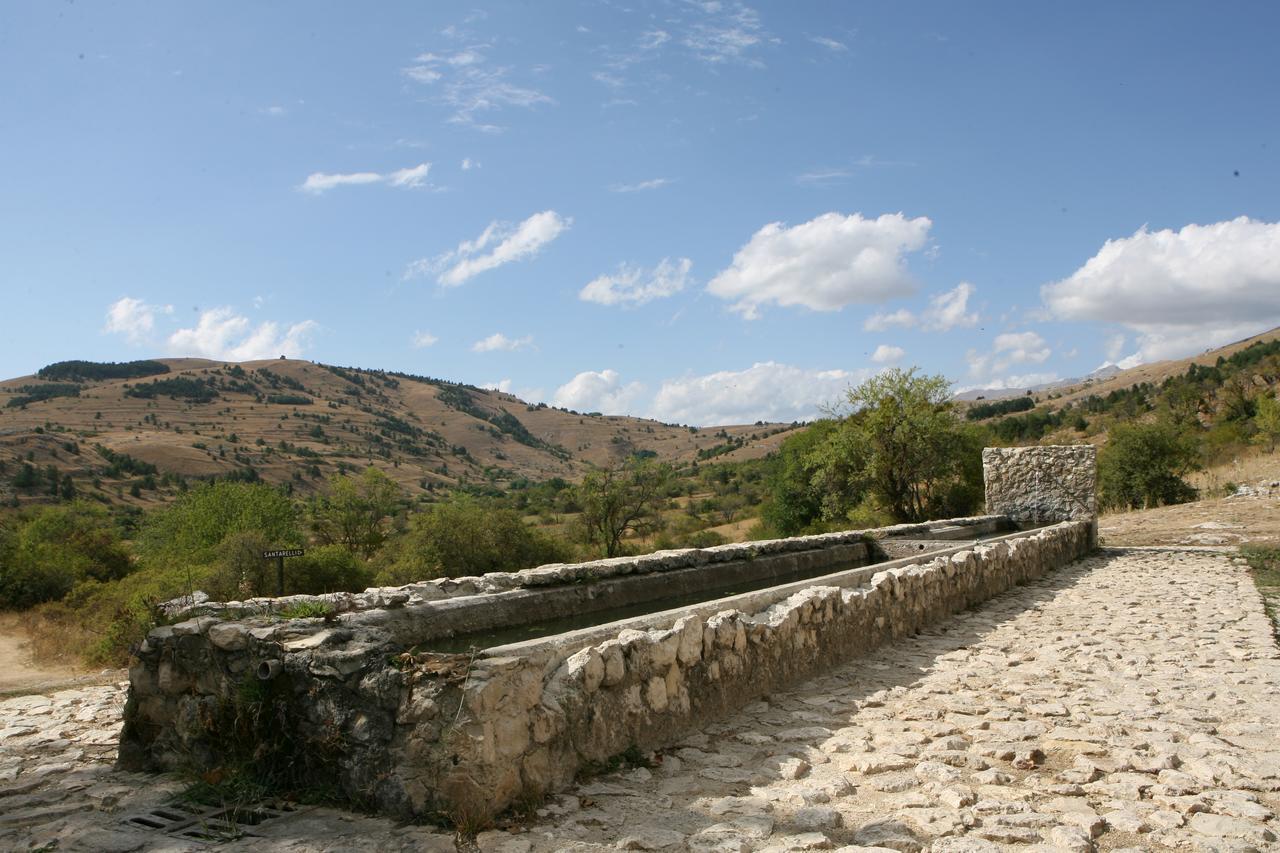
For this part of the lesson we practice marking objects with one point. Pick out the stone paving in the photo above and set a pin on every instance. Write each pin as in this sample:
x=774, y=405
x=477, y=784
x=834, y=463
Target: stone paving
x=1129, y=701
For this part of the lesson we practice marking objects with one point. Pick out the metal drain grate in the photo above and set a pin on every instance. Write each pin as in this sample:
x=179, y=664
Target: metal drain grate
x=210, y=824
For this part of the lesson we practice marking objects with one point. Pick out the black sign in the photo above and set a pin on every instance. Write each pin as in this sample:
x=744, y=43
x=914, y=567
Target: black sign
x=287, y=552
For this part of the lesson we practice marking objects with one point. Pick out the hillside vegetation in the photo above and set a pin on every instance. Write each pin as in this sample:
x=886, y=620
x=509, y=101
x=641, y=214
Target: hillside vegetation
x=139, y=433
x=129, y=492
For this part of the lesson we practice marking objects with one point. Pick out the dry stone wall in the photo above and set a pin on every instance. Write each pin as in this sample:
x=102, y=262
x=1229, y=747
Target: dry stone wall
x=416, y=734
x=1041, y=485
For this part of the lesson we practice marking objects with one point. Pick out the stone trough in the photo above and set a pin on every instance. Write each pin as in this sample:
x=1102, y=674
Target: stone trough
x=372, y=701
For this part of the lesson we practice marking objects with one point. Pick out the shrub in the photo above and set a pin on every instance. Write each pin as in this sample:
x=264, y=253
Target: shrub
x=465, y=537
x=45, y=552
x=1143, y=464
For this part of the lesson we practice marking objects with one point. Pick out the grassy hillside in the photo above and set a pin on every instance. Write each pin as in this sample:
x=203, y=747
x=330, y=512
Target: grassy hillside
x=132, y=434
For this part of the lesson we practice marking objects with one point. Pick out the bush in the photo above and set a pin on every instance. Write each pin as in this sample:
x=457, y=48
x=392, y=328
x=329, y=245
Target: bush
x=1143, y=464
x=465, y=537
x=45, y=552
x=328, y=568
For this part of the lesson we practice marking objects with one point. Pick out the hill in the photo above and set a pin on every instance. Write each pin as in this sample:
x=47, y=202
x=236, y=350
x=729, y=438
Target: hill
x=135, y=432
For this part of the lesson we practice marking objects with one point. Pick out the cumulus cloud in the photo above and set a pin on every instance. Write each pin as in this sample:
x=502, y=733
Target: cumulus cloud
x=766, y=391
x=133, y=318
x=598, y=391
x=946, y=311
x=1181, y=291
x=886, y=354
x=221, y=333
x=500, y=243
x=1008, y=349
x=498, y=342
x=823, y=264
x=949, y=310
x=422, y=340
x=636, y=286
x=320, y=182
x=1021, y=382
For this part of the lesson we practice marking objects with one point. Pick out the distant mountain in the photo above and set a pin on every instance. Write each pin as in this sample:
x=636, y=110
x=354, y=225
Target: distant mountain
x=112, y=427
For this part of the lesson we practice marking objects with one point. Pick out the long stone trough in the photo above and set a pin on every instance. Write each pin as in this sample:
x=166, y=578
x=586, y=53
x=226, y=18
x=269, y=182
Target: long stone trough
x=373, y=701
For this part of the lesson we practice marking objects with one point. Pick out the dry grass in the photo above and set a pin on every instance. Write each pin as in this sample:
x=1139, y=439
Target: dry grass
x=195, y=440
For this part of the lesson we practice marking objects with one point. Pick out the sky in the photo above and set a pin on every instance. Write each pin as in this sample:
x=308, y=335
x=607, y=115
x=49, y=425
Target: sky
x=702, y=212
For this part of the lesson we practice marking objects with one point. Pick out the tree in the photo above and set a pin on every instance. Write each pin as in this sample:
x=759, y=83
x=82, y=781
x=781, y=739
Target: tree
x=622, y=499
x=47, y=551
x=190, y=530
x=901, y=452
x=1267, y=421
x=916, y=457
x=353, y=513
x=799, y=496
x=1142, y=465
x=464, y=536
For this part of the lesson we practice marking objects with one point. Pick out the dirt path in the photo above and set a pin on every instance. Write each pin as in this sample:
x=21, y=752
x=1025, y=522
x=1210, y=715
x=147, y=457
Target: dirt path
x=19, y=673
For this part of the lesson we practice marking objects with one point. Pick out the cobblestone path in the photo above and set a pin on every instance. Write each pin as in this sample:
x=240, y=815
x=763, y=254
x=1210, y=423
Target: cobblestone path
x=1131, y=700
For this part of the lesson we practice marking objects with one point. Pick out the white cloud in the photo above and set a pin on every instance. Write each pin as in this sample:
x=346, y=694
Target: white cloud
x=636, y=286
x=503, y=385
x=1115, y=346
x=467, y=83
x=498, y=342
x=824, y=176
x=829, y=43
x=220, y=333
x=422, y=340
x=598, y=391
x=468, y=164
x=766, y=391
x=413, y=176
x=947, y=310
x=652, y=184
x=1182, y=291
x=133, y=318
x=902, y=318
x=1009, y=349
x=886, y=354
x=503, y=242
x=823, y=264
x=1022, y=382
x=726, y=32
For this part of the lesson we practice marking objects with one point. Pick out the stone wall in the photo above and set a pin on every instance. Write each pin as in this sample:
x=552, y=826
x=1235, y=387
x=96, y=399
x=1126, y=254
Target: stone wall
x=1041, y=485
x=825, y=547
x=416, y=734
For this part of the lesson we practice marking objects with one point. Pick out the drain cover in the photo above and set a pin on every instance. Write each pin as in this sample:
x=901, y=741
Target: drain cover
x=210, y=824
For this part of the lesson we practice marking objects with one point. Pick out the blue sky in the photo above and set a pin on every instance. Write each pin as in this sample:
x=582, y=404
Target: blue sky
x=697, y=211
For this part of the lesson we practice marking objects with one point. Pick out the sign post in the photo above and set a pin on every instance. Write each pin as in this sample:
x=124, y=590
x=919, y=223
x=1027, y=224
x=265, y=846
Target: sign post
x=280, y=554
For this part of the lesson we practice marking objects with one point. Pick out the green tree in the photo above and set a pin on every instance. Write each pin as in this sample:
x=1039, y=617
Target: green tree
x=919, y=461
x=462, y=537
x=798, y=481
x=1143, y=465
x=190, y=530
x=48, y=550
x=354, y=512
x=1267, y=421
x=620, y=500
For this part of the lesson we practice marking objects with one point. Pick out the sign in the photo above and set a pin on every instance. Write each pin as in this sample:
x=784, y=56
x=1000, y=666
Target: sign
x=286, y=552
